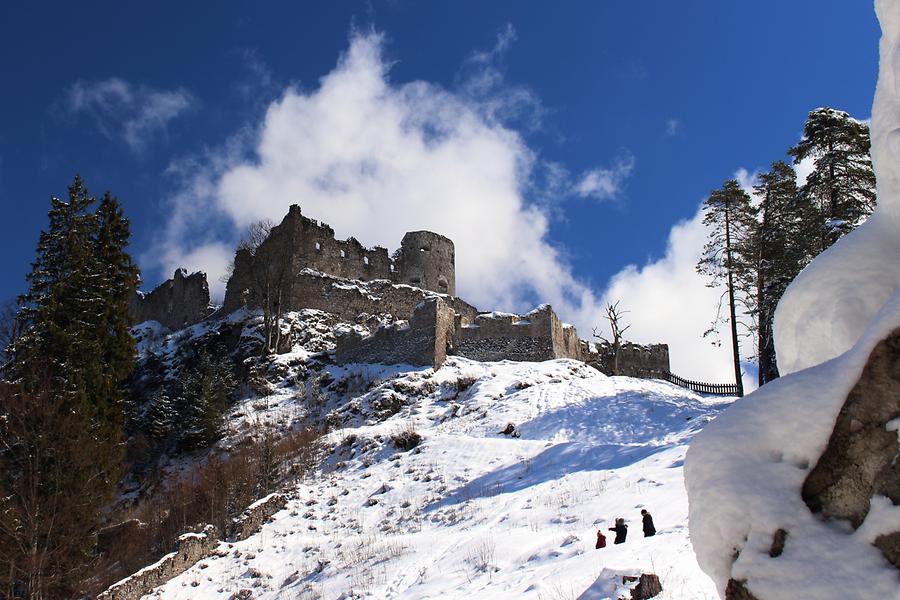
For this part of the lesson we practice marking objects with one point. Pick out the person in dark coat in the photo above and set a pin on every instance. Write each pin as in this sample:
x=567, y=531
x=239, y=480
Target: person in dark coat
x=649, y=529
x=621, y=530
x=601, y=540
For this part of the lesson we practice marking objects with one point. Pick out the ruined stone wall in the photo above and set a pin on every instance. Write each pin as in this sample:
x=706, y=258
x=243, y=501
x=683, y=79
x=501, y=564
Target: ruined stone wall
x=635, y=360
x=349, y=299
x=425, y=260
x=176, y=303
x=191, y=548
x=423, y=341
x=256, y=514
x=537, y=336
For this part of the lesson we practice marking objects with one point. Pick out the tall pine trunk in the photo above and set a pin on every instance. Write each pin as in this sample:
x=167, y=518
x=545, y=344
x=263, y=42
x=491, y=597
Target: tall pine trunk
x=734, y=335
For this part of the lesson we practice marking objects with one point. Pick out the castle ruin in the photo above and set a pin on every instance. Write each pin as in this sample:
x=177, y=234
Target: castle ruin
x=301, y=265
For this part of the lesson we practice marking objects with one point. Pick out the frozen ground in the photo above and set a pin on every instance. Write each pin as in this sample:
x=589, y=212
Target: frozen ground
x=471, y=512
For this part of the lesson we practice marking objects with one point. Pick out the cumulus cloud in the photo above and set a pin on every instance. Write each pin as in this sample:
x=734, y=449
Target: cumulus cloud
x=670, y=302
x=603, y=183
x=136, y=114
x=376, y=159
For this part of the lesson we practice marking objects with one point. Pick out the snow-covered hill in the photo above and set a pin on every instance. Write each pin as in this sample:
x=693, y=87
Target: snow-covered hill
x=471, y=512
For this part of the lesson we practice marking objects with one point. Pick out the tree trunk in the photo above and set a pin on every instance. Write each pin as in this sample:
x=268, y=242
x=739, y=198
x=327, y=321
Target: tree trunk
x=734, y=335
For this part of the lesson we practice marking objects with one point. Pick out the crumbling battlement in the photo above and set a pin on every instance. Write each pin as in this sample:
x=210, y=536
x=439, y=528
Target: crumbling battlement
x=635, y=360
x=348, y=299
x=435, y=331
x=424, y=260
x=176, y=303
x=423, y=341
x=191, y=548
x=537, y=336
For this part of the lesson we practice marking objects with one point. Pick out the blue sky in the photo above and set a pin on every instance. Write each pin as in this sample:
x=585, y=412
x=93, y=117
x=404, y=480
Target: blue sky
x=564, y=147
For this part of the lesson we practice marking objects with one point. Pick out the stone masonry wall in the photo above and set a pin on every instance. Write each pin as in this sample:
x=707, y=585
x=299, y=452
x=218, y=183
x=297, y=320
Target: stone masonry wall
x=176, y=303
x=635, y=360
x=256, y=514
x=422, y=342
x=425, y=260
x=191, y=548
x=537, y=336
x=349, y=299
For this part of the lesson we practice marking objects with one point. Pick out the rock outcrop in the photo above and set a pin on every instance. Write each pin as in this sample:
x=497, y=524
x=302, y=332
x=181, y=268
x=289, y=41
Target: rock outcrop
x=176, y=303
x=862, y=459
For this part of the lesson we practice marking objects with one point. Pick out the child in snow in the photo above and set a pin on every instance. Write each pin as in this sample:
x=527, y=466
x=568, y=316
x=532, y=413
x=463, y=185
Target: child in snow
x=601, y=540
x=649, y=529
x=621, y=530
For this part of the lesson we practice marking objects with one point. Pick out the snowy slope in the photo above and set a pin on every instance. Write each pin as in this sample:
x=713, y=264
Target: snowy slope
x=470, y=512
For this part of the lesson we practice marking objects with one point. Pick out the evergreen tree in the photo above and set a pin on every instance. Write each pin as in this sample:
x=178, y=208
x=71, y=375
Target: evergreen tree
x=72, y=353
x=207, y=391
x=160, y=416
x=728, y=255
x=841, y=186
x=781, y=250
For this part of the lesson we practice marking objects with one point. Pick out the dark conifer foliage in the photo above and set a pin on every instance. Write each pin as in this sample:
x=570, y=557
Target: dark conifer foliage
x=841, y=187
x=780, y=250
x=62, y=442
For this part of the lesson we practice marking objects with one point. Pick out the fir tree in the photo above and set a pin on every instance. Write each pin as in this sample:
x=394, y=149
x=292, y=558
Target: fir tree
x=841, y=186
x=72, y=352
x=207, y=391
x=781, y=251
x=728, y=255
x=160, y=417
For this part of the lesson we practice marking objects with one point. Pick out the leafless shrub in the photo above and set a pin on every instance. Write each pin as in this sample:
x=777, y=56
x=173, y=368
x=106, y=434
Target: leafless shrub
x=406, y=438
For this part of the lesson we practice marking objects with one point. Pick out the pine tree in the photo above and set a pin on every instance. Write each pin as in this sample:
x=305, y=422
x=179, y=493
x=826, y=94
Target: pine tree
x=728, y=255
x=841, y=187
x=781, y=251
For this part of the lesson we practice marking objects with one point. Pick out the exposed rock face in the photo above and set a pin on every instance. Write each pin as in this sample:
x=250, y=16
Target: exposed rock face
x=862, y=458
x=648, y=587
x=176, y=303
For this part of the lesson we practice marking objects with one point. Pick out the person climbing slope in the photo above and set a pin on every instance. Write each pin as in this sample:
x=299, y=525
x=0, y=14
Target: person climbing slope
x=621, y=530
x=649, y=528
x=601, y=540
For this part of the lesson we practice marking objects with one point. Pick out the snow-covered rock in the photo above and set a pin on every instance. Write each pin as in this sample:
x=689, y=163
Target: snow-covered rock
x=745, y=473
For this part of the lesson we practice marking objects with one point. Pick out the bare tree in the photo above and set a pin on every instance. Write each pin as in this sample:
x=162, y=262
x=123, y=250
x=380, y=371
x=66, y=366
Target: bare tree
x=269, y=276
x=613, y=314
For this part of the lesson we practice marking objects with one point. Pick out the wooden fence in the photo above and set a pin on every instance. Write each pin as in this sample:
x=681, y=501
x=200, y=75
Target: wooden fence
x=716, y=389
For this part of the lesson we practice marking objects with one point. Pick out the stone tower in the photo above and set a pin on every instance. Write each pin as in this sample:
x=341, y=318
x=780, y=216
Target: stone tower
x=427, y=260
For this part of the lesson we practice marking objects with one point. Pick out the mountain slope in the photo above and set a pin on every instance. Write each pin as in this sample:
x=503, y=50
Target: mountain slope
x=469, y=511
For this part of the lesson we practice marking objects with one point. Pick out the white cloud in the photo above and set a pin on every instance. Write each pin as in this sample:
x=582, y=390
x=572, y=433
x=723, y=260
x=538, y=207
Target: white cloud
x=670, y=302
x=375, y=160
x=136, y=114
x=603, y=183
x=673, y=126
